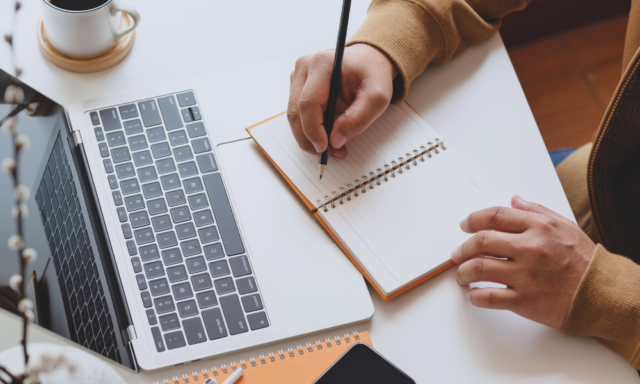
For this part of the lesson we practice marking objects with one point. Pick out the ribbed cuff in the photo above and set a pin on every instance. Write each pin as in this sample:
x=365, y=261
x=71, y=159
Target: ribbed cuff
x=408, y=34
x=606, y=304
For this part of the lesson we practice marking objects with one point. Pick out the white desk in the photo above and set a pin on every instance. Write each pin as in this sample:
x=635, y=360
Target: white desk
x=476, y=102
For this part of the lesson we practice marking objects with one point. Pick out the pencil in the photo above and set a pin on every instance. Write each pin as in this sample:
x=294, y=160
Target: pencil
x=334, y=88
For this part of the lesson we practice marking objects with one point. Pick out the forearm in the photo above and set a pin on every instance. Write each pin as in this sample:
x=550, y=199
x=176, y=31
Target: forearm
x=415, y=33
x=606, y=304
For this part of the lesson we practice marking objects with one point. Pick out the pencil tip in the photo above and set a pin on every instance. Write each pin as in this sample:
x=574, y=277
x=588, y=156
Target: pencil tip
x=322, y=168
x=320, y=177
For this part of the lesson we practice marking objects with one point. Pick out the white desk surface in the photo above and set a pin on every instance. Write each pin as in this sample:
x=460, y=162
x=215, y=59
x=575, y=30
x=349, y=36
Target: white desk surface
x=475, y=102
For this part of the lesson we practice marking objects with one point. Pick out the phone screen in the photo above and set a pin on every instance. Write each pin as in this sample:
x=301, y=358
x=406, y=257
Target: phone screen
x=362, y=365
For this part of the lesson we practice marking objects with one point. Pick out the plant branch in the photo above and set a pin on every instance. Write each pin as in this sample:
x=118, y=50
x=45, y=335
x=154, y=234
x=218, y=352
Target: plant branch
x=11, y=376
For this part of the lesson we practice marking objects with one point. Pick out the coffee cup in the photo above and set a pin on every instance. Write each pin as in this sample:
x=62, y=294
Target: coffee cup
x=85, y=28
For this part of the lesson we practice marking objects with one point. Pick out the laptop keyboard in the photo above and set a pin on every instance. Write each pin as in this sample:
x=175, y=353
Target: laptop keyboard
x=190, y=263
x=80, y=285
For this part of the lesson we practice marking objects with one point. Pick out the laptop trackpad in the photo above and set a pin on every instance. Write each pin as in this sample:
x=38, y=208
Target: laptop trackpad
x=296, y=263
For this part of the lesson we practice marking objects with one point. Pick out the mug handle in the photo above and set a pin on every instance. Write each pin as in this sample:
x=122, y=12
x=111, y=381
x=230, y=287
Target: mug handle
x=115, y=8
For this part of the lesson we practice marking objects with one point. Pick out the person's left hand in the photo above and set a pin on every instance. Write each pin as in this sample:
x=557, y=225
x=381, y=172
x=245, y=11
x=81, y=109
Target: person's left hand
x=539, y=255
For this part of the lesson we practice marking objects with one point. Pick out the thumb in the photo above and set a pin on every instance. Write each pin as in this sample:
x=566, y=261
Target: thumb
x=518, y=202
x=365, y=109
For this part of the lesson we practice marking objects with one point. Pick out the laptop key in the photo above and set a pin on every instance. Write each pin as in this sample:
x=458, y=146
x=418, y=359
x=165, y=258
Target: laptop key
x=134, y=203
x=257, y=320
x=142, y=282
x=170, y=182
x=214, y=323
x=108, y=166
x=194, y=331
x=213, y=251
x=129, y=186
x=161, y=223
x=174, y=340
x=144, y=236
x=125, y=170
x=246, y=285
x=224, y=286
x=153, y=270
x=167, y=240
x=186, y=99
x=164, y=304
x=113, y=182
x=122, y=214
x=149, y=252
x=151, y=316
x=94, y=118
x=240, y=266
x=196, y=264
x=139, y=219
x=157, y=206
x=128, y=111
x=233, y=314
x=252, y=303
x=156, y=134
x=198, y=201
x=165, y=166
x=196, y=129
x=169, y=322
x=157, y=337
x=207, y=163
x=104, y=151
x=193, y=185
x=172, y=256
x=161, y=150
x=195, y=112
x=133, y=126
x=203, y=218
x=147, y=174
x=201, y=145
x=149, y=112
x=206, y=299
x=137, y=265
x=120, y=155
x=159, y=287
x=208, y=234
x=110, y=119
x=185, y=231
x=170, y=113
x=126, y=231
x=180, y=214
x=116, y=139
x=131, y=248
x=224, y=215
x=178, y=273
x=201, y=282
x=142, y=158
x=186, y=115
x=151, y=190
x=178, y=137
x=187, y=308
x=182, y=291
x=138, y=142
x=191, y=247
x=183, y=153
x=146, y=299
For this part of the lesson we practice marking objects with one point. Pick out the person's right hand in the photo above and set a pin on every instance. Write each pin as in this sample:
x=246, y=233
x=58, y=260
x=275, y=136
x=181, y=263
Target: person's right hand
x=365, y=92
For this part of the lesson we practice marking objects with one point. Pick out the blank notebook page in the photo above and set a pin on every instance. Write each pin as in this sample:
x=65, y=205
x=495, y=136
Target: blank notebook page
x=394, y=134
x=408, y=226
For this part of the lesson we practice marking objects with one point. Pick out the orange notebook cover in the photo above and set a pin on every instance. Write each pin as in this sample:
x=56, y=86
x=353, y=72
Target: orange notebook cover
x=302, y=364
x=334, y=237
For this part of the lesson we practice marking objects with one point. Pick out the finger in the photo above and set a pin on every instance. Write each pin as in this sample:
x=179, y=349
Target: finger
x=519, y=203
x=498, y=219
x=298, y=78
x=494, y=298
x=487, y=269
x=486, y=243
x=313, y=97
x=367, y=106
x=340, y=153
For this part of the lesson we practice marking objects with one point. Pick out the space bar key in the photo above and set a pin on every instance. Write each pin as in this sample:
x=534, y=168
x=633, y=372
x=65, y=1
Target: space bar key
x=223, y=213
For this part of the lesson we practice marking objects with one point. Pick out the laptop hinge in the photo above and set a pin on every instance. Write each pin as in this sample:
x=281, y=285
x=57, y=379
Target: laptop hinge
x=131, y=332
x=77, y=138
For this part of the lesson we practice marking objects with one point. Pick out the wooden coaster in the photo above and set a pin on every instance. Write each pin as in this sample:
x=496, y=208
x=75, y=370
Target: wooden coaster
x=107, y=60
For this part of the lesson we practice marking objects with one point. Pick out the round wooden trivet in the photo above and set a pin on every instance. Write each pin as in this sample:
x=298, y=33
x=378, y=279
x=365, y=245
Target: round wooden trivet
x=107, y=60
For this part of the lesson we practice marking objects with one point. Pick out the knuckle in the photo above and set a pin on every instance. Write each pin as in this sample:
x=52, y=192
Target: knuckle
x=321, y=57
x=480, y=239
x=301, y=62
x=478, y=267
x=305, y=103
x=379, y=98
x=293, y=115
x=496, y=215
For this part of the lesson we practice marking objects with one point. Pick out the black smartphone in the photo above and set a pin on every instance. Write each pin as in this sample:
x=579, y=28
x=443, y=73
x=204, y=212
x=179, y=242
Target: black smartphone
x=361, y=364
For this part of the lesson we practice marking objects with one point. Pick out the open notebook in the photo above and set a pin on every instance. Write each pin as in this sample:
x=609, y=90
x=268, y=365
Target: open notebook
x=393, y=205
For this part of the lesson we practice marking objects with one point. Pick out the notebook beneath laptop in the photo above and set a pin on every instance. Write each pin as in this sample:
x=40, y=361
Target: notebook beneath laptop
x=152, y=253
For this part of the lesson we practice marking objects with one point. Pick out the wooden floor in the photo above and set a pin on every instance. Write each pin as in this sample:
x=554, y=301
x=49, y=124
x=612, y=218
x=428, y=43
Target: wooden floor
x=569, y=79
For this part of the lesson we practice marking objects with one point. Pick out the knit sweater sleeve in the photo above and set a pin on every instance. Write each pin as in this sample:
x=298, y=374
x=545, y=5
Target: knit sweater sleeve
x=415, y=33
x=606, y=304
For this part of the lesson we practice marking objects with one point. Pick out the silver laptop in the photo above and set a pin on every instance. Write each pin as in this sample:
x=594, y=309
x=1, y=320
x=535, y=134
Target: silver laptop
x=151, y=251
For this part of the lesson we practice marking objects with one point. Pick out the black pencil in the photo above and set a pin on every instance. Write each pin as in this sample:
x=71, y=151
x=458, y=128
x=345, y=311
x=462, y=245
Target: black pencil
x=334, y=89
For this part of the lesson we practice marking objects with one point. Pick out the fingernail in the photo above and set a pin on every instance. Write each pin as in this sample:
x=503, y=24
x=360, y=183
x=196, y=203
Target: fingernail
x=455, y=255
x=339, y=155
x=317, y=147
x=338, y=141
x=463, y=223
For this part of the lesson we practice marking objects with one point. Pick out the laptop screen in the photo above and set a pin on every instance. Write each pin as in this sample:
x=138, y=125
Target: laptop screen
x=71, y=285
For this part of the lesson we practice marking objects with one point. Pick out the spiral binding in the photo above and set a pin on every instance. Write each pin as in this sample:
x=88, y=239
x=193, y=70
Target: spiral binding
x=382, y=174
x=205, y=376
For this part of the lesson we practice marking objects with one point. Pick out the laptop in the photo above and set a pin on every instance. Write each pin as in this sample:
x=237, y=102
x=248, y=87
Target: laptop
x=155, y=249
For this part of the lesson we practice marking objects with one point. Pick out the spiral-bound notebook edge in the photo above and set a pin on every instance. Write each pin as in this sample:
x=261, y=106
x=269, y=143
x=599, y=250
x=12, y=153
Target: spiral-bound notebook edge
x=271, y=357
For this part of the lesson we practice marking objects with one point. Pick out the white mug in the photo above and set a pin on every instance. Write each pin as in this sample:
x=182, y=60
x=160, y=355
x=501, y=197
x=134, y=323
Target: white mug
x=87, y=33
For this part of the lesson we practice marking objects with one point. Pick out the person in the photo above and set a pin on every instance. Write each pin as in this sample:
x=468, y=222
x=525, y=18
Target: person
x=583, y=279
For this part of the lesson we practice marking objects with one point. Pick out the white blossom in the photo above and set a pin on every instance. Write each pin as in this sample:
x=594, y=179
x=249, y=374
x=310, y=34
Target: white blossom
x=15, y=281
x=15, y=242
x=9, y=127
x=14, y=95
x=21, y=193
x=29, y=255
x=8, y=165
x=30, y=315
x=25, y=305
x=23, y=209
x=23, y=142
